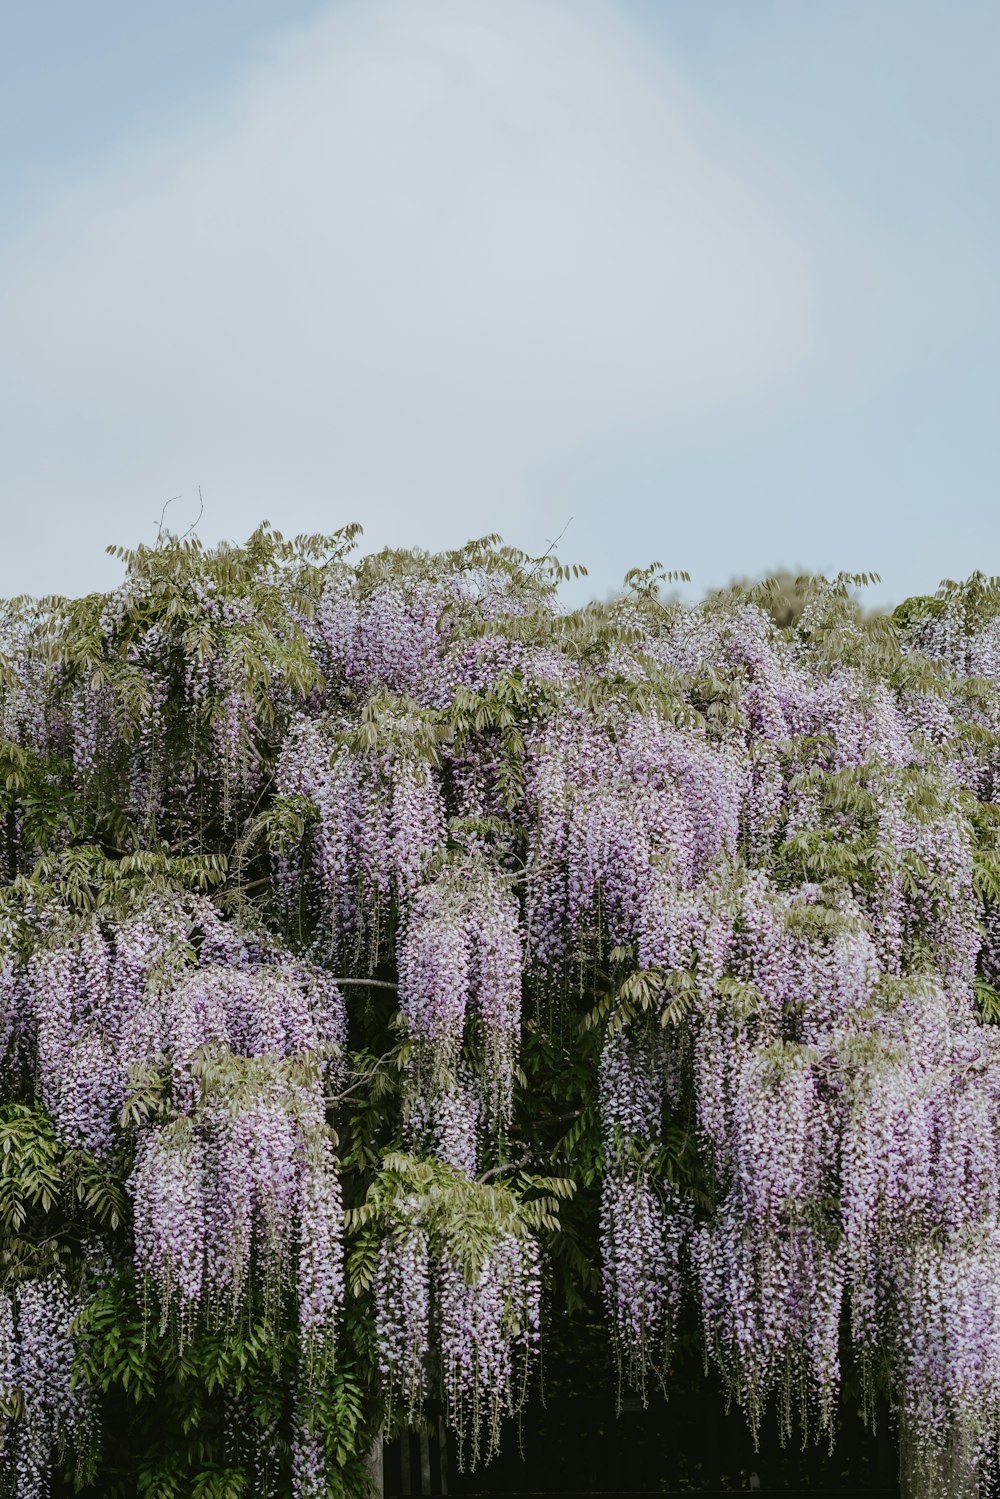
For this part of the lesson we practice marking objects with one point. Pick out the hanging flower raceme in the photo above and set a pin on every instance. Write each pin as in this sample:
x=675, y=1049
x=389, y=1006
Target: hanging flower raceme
x=949, y=1353
x=771, y=1316
x=617, y=809
x=239, y=1192
x=489, y=1338
x=218, y=1050
x=457, y=1315
x=770, y=1267
x=402, y=1313
x=459, y=963
x=642, y=1236
x=921, y=1151
x=42, y=1409
x=103, y=1005
x=444, y=1121
x=389, y=637
x=643, y=1222
x=379, y=819
x=89, y=1010
x=241, y=1195
x=768, y=1047
x=279, y=1010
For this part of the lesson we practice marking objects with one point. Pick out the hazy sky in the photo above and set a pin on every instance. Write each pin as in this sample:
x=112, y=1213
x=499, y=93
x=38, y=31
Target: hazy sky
x=716, y=278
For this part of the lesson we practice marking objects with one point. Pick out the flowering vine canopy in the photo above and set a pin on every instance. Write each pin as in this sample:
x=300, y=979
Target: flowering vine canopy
x=391, y=958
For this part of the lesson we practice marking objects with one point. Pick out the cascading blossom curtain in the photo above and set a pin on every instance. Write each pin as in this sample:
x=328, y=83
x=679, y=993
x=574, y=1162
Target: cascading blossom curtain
x=389, y=956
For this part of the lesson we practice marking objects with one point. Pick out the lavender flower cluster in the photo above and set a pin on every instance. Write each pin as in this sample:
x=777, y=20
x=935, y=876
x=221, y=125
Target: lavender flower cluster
x=235, y=1044
x=37, y=1347
x=792, y=836
x=481, y=1332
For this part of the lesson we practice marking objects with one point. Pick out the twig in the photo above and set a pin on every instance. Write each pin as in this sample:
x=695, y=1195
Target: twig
x=159, y=529
x=361, y=1078
x=551, y=548
x=336, y=1098
x=201, y=512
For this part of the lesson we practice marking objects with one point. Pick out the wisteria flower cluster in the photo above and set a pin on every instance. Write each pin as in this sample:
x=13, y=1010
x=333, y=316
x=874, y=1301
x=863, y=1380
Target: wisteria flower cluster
x=37, y=1346
x=457, y=1310
x=317, y=876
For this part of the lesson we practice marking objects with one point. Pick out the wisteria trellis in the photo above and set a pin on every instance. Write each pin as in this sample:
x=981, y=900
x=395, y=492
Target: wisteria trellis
x=305, y=858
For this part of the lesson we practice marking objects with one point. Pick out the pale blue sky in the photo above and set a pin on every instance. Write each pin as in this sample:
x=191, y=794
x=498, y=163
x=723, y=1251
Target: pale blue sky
x=716, y=278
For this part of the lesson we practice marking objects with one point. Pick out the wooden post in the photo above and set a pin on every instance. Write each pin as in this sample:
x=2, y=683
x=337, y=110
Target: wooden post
x=376, y=1467
x=443, y=1449
x=443, y=1444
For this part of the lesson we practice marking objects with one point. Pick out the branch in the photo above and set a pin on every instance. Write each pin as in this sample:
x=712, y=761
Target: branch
x=507, y=1166
x=562, y=1118
x=361, y=1078
x=245, y=885
x=332, y=1099
x=368, y=983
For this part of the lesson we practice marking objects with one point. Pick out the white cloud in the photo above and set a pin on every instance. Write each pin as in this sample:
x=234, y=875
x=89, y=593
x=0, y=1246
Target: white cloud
x=424, y=253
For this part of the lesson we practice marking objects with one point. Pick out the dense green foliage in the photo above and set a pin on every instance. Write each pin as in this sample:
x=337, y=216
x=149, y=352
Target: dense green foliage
x=147, y=761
